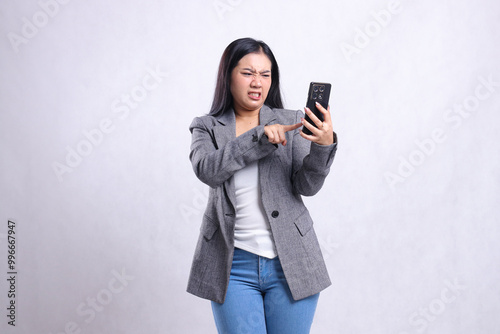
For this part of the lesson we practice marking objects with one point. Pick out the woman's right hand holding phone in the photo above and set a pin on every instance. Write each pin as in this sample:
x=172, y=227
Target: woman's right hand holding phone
x=323, y=133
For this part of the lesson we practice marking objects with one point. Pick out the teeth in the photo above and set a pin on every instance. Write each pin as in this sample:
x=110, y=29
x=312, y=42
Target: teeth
x=255, y=94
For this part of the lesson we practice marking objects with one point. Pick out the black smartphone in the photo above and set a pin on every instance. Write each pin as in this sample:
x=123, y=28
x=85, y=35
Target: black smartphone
x=318, y=92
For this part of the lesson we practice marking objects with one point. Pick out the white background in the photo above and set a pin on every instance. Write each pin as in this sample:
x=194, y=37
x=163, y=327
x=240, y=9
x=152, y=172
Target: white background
x=132, y=204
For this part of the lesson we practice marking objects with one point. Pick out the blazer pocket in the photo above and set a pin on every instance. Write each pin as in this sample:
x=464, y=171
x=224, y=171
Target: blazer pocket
x=304, y=223
x=208, y=227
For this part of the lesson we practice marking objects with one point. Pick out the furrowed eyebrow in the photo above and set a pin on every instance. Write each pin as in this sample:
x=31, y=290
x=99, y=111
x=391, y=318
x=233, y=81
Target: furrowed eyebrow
x=254, y=71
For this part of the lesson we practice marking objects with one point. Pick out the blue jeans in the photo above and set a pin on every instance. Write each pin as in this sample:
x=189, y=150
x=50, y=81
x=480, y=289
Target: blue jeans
x=258, y=300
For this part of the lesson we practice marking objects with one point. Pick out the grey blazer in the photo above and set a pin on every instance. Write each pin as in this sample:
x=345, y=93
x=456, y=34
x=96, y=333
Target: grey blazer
x=285, y=173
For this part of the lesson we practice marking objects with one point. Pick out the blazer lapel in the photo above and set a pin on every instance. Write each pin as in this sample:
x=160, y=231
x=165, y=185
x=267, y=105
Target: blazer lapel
x=266, y=116
x=223, y=132
x=226, y=129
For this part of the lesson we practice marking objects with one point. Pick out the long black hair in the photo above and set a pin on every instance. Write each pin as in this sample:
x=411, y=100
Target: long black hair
x=223, y=100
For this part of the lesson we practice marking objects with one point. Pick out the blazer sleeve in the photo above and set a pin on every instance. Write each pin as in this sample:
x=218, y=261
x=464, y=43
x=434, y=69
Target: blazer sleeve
x=213, y=165
x=311, y=162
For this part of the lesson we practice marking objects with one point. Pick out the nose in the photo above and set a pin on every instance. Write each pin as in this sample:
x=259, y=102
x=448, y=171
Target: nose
x=256, y=81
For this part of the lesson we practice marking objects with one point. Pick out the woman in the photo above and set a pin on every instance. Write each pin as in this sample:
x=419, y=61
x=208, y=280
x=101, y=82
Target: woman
x=258, y=259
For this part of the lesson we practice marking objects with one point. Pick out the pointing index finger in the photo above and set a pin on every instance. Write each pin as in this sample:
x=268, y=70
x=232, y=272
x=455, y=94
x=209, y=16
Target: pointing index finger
x=291, y=127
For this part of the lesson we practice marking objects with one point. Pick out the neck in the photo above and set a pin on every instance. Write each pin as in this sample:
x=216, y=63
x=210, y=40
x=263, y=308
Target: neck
x=244, y=114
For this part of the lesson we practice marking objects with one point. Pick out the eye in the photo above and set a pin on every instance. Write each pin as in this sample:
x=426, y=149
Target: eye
x=266, y=75
x=247, y=74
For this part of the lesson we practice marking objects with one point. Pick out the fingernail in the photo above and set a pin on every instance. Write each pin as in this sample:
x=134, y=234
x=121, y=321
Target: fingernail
x=317, y=103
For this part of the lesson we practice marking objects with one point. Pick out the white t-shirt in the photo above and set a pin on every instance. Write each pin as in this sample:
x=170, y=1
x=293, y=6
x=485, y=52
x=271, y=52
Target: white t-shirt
x=252, y=231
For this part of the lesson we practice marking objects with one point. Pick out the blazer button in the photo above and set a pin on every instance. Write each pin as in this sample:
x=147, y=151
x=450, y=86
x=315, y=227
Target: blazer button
x=275, y=214
x=254, y=138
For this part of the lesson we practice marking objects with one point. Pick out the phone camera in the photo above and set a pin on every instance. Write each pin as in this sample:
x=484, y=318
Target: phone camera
x=315, y=89
x=320, y=97
x=321, y=89
x=315, y=96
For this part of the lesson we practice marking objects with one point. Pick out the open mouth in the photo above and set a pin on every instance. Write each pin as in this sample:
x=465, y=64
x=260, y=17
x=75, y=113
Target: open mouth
x=254, y=95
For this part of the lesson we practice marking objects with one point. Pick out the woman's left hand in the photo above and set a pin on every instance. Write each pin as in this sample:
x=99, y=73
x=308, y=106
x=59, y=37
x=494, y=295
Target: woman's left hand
x=323, y=134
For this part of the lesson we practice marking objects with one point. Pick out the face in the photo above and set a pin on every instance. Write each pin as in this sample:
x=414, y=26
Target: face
x=250, y=82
